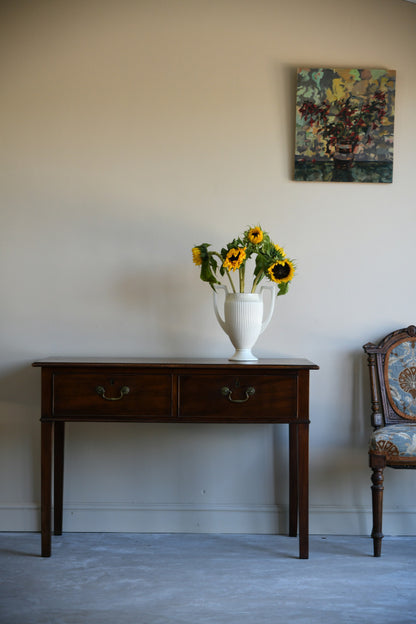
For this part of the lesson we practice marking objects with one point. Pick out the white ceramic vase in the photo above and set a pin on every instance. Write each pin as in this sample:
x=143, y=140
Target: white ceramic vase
x=243, y=320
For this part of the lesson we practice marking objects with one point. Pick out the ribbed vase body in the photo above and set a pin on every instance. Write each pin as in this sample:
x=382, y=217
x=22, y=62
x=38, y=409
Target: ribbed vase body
x=243, y=316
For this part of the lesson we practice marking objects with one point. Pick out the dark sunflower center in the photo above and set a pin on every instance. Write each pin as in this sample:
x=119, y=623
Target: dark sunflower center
x=281, y=271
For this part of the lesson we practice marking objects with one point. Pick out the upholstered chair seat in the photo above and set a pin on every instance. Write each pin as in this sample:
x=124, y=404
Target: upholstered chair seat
x=396, y=442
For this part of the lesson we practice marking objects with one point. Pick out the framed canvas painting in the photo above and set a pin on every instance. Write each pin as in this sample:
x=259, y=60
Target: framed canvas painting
x=344, y=125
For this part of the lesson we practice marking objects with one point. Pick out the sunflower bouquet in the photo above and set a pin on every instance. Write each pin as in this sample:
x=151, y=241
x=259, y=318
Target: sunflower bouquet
x=270, y=261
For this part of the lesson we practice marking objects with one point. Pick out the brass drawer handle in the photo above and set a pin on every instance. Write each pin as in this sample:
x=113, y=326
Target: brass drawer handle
x=226, y=392
x=101, y=392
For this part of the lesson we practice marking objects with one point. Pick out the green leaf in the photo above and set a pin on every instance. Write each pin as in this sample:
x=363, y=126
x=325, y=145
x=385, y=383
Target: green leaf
x=207, y=275
x=283, y=288
x=262, y=262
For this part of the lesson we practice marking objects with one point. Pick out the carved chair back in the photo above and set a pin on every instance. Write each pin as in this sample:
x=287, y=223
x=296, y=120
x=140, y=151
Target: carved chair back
x=392, y=366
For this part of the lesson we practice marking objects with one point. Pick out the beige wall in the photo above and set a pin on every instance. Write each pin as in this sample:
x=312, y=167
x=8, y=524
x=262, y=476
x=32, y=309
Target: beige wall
x=131, y=131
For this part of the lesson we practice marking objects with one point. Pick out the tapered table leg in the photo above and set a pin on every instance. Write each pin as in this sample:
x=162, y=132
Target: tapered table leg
x=46, y=487
x=58, y=476
x=293, y=480
x=303, y=450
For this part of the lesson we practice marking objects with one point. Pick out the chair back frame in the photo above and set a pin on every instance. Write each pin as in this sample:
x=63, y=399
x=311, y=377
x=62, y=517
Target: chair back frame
x=383, y=412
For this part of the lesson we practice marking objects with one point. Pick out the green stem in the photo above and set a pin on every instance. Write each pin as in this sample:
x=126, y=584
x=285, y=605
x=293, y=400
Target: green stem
x=231, y=281
x=258, y=279
x=241, y=272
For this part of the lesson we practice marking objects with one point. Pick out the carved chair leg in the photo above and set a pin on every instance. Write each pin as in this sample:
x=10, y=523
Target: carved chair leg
x=377, y=464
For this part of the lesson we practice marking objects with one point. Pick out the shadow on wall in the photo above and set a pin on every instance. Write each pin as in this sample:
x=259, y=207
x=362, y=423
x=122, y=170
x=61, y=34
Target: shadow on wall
x=361, y=401
x=179, y=323
x=20, y=385
x=20, y=430
x=340, y=475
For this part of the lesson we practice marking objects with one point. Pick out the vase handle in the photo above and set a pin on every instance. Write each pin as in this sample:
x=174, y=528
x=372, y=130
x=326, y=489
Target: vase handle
x=267, y=320
x=217, y=314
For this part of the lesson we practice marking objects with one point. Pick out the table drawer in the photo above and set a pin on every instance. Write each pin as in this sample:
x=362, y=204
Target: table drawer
x=104, y=394
x=224, y=398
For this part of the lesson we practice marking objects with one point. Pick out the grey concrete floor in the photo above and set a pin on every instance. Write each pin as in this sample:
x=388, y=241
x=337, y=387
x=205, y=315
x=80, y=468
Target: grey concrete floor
x=124, y=578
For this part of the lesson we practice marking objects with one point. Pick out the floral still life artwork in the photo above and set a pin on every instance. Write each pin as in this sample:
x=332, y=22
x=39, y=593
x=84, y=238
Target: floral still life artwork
x=268, y=261
x=345, y=125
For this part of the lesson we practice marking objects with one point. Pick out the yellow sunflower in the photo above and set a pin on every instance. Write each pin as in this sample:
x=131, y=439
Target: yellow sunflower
x=196, y=256
x=255, y=235
x=235, y=258
x=281, y=271
x=280, y=250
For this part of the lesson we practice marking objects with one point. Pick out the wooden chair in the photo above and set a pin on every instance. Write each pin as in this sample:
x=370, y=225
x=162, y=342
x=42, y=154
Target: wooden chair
x=392, y=366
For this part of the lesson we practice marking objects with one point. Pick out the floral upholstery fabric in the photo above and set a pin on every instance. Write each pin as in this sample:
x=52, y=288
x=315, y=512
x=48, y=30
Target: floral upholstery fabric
x=395, y=440
x=400, y=378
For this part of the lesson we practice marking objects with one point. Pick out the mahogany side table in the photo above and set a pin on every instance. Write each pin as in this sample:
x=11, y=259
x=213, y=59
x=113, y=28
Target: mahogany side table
x=174, y=391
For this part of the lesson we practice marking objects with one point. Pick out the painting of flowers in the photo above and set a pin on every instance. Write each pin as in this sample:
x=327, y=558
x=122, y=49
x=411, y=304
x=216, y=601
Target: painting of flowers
x=345, y=125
